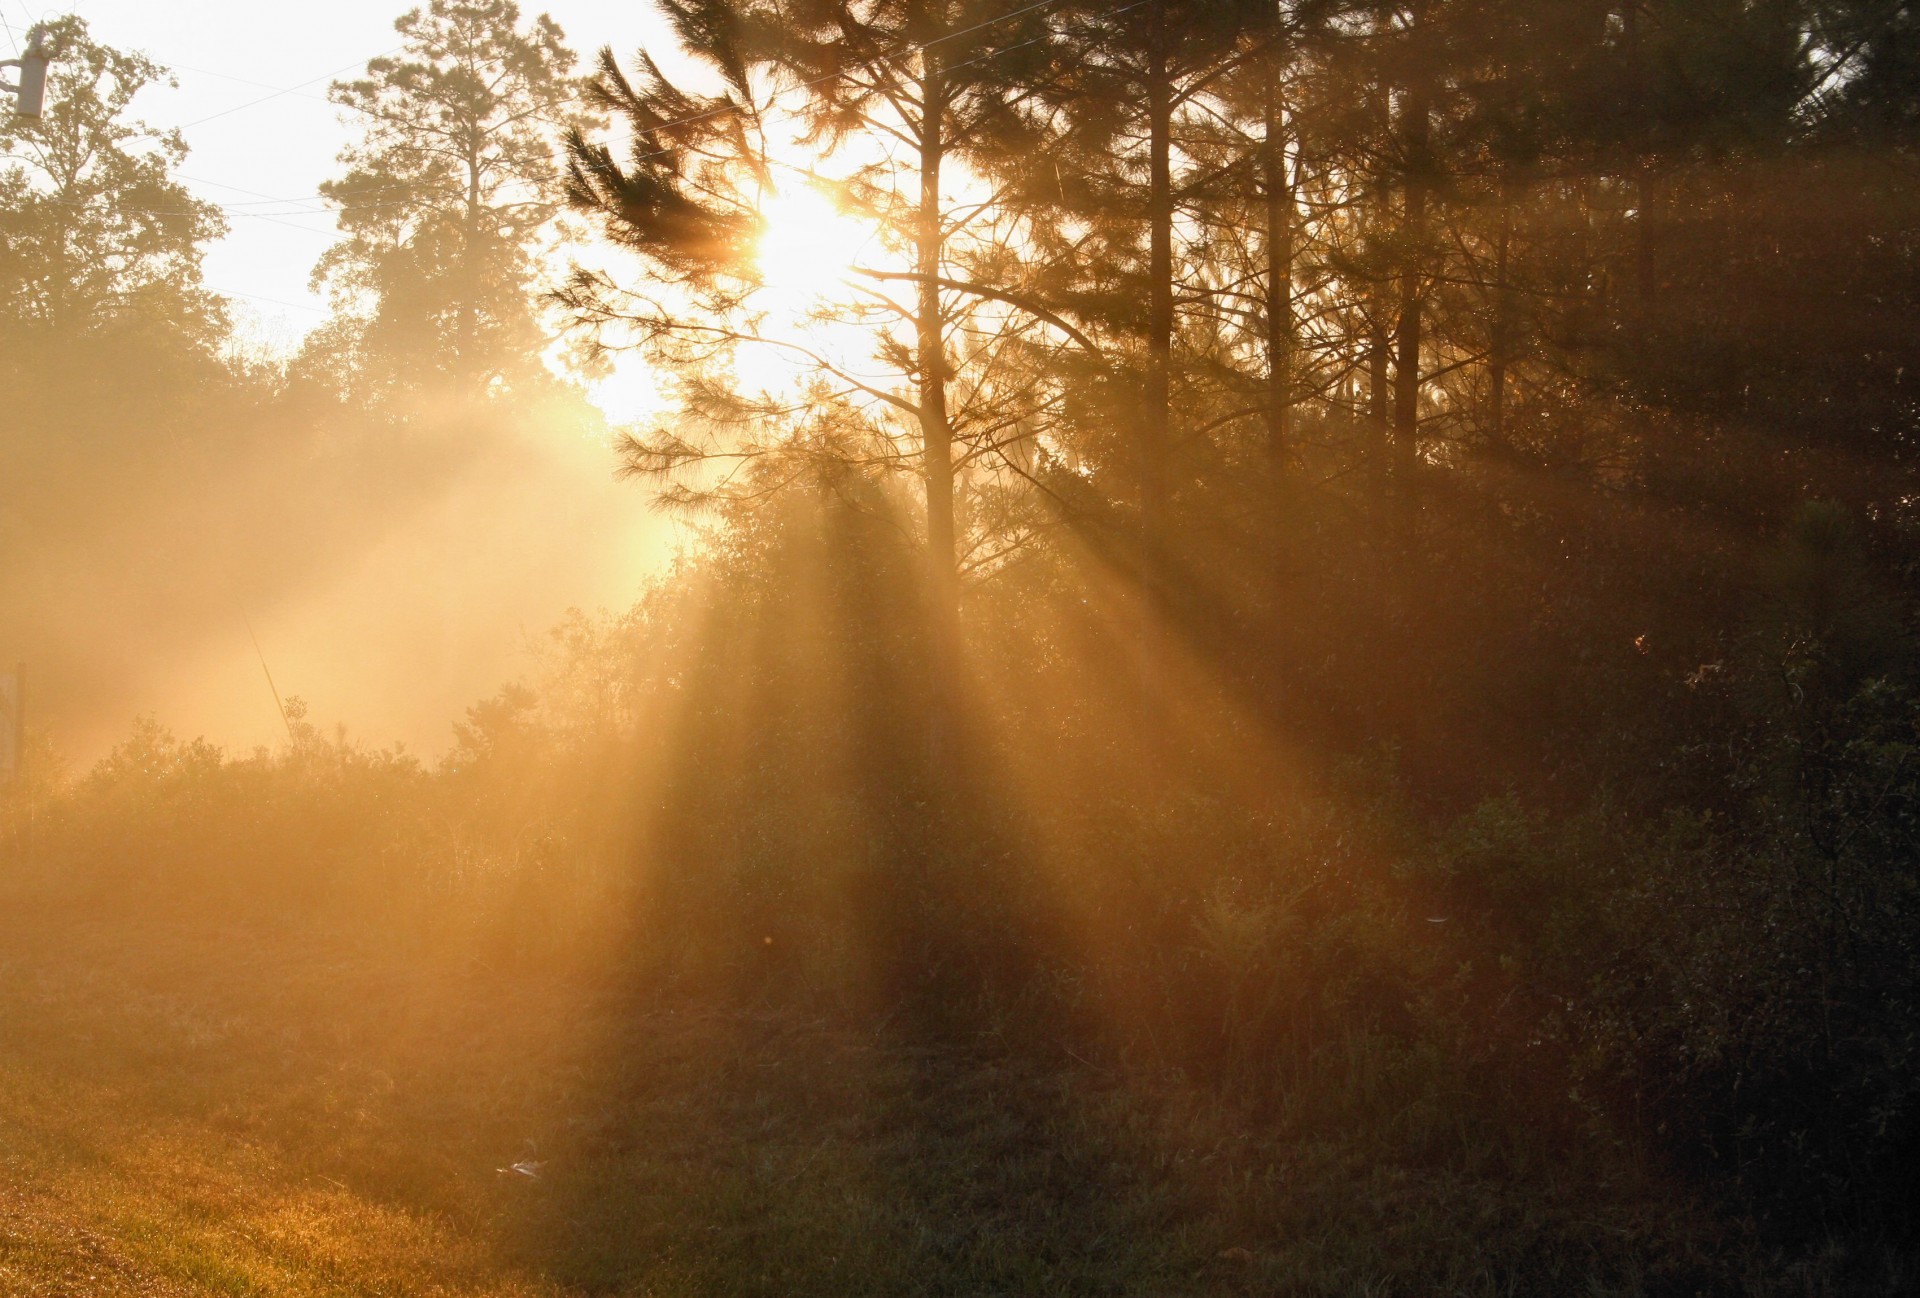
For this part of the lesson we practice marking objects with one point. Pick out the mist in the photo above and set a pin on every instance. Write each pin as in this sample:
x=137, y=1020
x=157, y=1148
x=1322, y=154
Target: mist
x=1228, y=649
x=386, y=583
x=191, y=510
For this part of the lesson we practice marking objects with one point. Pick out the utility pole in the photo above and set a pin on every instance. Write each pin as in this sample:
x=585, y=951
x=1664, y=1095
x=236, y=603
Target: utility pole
x=30, y=95
x=13, y=724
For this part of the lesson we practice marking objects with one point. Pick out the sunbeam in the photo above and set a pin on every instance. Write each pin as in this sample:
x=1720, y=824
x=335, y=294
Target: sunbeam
x=976, y=647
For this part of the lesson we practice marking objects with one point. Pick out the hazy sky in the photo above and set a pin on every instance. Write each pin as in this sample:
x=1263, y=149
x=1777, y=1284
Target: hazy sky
x=229, y=56
x=397, y=636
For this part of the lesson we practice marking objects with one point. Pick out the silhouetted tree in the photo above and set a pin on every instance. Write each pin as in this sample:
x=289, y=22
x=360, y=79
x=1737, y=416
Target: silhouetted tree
x=936, y=82
x=95, y=231
x=447, y=197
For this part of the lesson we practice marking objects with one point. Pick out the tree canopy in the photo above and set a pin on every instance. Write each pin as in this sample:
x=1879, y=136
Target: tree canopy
x=97, y=232
x=447, y=199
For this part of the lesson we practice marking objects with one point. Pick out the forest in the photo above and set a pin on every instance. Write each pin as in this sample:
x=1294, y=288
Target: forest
x=1290, y=668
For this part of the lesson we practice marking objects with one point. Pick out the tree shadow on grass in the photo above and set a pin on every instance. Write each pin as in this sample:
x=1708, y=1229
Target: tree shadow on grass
x=821, y=1071
x=760, y=1156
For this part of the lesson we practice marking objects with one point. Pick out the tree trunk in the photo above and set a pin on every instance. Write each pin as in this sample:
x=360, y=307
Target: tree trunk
x=1156, y=421
x=1379, y=381
x=1406, y=386
x=1155, y=444
x=60, y=296
x=1280, y=218
x=465, y=366
x=936, y=431
x=1640, y=327
x=1501, y=341
x=1379, y=331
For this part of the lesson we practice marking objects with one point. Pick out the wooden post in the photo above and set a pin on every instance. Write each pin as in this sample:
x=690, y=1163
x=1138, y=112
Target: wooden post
x=13, y=743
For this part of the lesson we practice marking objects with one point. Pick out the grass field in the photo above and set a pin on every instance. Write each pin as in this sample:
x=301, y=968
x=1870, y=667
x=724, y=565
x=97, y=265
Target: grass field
x=190, y=1109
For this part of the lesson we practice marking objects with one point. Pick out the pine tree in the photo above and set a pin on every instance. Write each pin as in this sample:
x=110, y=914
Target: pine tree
x=447, y=196
x=937, y=82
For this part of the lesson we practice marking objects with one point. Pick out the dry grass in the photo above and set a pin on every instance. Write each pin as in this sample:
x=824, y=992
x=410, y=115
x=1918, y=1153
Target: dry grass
x=227, y=1111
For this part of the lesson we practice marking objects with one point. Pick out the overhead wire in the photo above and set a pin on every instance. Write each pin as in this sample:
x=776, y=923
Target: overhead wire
x=904, y=51
x=289, y=90
x=878, y=59
x=237, y=208
x=275, y=301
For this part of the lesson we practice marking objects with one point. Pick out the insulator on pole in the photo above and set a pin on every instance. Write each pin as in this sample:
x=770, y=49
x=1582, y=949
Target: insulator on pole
x=30, y=94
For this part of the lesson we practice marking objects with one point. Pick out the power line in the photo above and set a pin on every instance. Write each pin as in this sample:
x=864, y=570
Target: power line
x=234, y=209
x=913, y=48
x=285, y=720
x=239, y=189
x=248, y=81
x=296, y=306
x=291, y=225
x=289, y=90
x=876, y=61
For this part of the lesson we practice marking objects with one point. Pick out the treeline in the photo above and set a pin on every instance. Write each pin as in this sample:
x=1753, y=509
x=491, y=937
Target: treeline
x=1456, y=370
x=1139, y=244
x=1362, y=555
x=1508, y=400
x=171, y=476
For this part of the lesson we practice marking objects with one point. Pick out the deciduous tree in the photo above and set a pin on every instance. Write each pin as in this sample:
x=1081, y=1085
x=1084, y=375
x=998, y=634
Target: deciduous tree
x=447, y=197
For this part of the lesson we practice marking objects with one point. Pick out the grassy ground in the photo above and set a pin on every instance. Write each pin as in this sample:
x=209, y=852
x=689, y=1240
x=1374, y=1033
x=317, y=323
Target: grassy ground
x=189, y=1109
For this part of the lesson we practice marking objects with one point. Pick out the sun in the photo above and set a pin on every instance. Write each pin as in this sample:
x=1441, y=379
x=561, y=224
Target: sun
x=806, y=249
x=804, y=256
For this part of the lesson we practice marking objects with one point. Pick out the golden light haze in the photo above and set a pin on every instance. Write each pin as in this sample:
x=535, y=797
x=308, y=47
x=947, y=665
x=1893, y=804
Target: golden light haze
x=1227, y=649
x=393, y=635
x=393, y=623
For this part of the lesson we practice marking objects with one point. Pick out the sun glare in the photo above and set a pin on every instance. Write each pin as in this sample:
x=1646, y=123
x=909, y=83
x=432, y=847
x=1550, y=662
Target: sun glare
x=807, y=247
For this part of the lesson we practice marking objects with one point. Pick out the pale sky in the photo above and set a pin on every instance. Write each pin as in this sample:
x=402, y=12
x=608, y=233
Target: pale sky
x=394, y=639
x=251, y=145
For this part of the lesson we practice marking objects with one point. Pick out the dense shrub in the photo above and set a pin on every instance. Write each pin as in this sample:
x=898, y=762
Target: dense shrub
x=756, y=790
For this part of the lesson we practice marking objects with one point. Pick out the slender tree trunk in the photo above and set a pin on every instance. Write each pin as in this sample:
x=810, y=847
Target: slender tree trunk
x=1156, y=414
x=1501, y=341
x=1406, y=387
x=1379, y=381
x=1641, y=347
x=60, y=295
x=1643, y=249
x=936, y=431
x=1379, y=331
x=936, y=428
x=1280, y=219
x=466, y=368
x=60, y=276
x=1156, y=421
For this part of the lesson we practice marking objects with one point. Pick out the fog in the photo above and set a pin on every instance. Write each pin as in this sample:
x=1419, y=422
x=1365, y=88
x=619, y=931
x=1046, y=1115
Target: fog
x=191, y=488
x=390, y=633
x=1223, y=649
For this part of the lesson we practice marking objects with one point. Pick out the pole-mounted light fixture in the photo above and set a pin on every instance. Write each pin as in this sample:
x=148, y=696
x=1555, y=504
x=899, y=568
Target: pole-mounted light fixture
x=31, y=94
